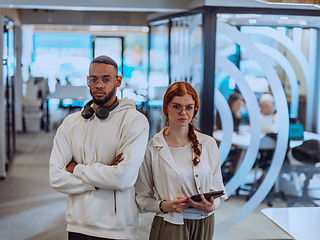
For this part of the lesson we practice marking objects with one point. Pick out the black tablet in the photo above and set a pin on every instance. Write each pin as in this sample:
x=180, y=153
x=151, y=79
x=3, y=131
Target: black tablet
x=207, y=195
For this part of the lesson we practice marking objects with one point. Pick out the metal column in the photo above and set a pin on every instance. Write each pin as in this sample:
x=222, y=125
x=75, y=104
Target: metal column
x=2, y=107
x=208, y=53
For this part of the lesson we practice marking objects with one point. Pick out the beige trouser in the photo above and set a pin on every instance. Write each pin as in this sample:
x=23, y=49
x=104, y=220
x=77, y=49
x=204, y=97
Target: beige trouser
x=200, y=229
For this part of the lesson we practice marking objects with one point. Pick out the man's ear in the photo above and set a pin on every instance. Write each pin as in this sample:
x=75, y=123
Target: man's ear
x=119, y=81
x=88, y=81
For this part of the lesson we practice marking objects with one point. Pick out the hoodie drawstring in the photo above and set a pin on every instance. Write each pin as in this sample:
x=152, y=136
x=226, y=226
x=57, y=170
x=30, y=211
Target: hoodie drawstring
x=94, y=142
x=84, y=139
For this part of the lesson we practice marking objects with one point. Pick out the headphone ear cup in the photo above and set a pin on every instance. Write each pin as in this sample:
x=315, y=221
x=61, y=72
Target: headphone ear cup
x=87, y=112
x=102, y=112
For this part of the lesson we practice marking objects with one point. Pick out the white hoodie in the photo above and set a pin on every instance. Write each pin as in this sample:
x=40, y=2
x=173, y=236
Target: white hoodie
x=110, y=211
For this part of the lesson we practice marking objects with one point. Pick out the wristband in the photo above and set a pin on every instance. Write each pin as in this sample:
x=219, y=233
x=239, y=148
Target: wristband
x=160, y=207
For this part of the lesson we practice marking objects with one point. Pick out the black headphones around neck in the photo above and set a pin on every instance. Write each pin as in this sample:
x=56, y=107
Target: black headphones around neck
x=102, y=112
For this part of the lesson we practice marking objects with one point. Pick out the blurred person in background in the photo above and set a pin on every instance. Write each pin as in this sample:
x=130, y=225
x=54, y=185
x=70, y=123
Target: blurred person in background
x=269, y=117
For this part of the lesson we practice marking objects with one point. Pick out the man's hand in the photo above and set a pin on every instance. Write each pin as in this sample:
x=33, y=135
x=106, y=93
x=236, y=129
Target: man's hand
x=71, y=166
x=204, y=205
x=117, y=160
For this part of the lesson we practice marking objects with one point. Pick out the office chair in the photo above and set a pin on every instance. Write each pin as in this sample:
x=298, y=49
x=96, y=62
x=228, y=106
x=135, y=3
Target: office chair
x=265, y=154
x=263, y=161
x=302, y=160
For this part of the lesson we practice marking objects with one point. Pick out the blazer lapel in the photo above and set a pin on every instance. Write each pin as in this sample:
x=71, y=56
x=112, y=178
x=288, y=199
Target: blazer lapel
x=166, y=155
x=164, y=152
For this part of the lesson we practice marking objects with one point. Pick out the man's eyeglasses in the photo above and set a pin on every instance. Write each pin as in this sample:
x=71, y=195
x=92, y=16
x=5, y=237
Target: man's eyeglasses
x=178, y=108
x=94, y=81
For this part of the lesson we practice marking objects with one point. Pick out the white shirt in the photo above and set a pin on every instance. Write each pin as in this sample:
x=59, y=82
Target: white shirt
x=183, y=158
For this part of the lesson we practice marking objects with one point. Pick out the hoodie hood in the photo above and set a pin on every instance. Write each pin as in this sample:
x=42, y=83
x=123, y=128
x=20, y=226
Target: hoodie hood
x=124, y=103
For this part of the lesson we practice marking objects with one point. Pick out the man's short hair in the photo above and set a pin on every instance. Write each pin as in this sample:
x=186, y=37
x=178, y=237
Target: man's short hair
x=106, y=60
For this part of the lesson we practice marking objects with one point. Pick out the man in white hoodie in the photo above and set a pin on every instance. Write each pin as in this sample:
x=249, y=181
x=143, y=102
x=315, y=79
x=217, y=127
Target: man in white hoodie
x=96, y=157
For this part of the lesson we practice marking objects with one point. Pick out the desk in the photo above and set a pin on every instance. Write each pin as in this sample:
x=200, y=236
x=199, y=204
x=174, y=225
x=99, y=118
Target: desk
x=72, y=92
x=300, y=223
x=76, y=96
x=242, y=139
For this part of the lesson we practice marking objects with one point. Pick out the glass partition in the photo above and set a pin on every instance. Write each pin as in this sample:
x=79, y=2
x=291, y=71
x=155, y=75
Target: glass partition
x=268, y=67
x=110, y=46
x=186, y=52
x=257, y=61
x=158, y=73
x=175, y=55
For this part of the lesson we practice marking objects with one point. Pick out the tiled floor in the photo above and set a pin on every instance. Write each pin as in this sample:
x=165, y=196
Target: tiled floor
x=31, y=209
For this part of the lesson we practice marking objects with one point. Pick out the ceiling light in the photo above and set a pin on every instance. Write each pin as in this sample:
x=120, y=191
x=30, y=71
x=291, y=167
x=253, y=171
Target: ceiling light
x=97, y=28
x=293, y=21
x=247, y=15
x=291, y=2
x=223, y=20
x=225, y=16
x=145, y=29
x=253, y=21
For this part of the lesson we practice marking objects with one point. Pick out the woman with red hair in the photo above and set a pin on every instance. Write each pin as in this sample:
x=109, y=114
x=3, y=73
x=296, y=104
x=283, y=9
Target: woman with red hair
x=180, y=162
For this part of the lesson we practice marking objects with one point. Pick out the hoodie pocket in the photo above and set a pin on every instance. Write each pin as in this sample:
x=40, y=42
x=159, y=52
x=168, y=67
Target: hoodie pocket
x=127, y=213
x=93, y=208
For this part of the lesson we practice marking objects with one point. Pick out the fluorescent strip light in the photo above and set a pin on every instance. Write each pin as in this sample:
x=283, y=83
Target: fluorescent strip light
x=253, y=21
x=314, y=3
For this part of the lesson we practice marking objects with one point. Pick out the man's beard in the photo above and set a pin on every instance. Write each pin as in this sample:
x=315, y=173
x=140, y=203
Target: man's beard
x=103, y=101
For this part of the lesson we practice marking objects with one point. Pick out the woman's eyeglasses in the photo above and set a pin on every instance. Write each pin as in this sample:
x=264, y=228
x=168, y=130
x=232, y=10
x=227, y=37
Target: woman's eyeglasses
x=178, y=108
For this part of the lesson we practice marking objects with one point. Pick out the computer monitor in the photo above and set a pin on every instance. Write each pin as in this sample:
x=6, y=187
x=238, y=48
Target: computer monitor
x=295, y=129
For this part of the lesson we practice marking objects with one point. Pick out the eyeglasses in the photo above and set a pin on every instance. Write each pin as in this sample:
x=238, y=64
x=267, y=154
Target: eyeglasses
x=93, y=81
x=178, y=108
